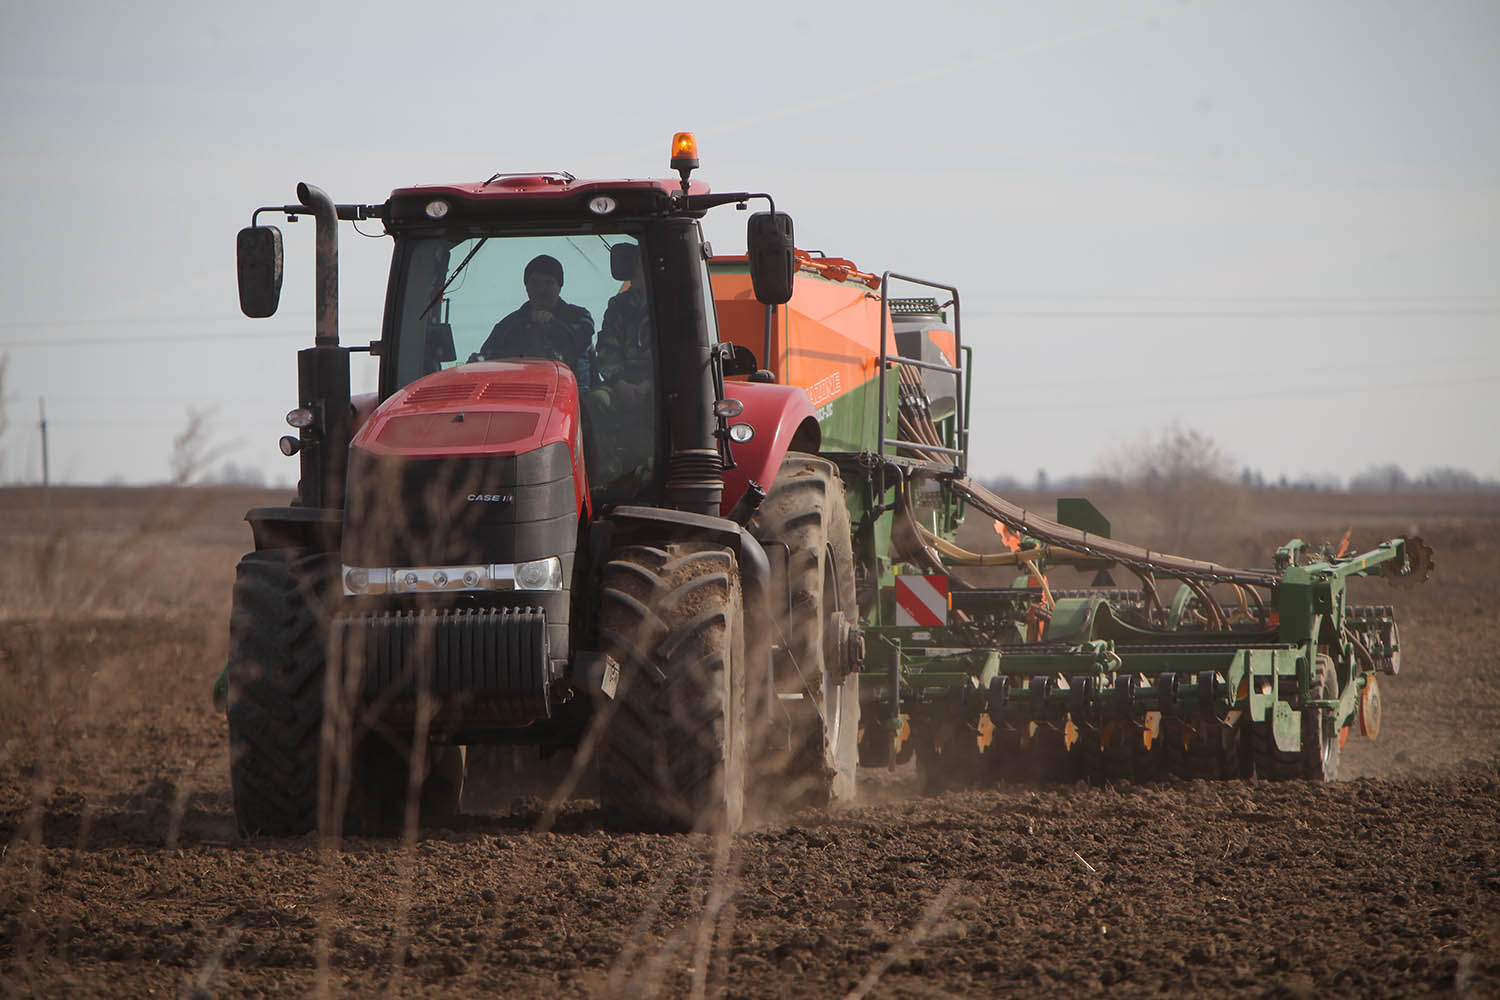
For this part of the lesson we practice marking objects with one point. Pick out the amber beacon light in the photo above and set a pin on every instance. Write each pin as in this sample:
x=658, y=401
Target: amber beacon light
x=684, y=156
x=684, y=151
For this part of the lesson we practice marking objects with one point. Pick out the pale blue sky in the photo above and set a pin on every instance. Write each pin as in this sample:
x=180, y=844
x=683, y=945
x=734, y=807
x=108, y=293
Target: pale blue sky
x=1275, y=222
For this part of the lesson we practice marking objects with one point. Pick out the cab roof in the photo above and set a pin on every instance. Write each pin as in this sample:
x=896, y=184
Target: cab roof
x=557, y=184
x=537, y=198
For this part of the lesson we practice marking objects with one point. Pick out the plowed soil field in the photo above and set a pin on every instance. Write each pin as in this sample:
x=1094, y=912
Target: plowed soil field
x=121, y=873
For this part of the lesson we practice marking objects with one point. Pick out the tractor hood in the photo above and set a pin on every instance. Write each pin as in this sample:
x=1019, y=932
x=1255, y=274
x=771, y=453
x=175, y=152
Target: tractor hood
x=486, y=408
x=517, y=413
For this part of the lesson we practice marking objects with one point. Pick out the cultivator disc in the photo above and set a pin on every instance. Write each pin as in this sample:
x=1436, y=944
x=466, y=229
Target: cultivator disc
x=1414, y=569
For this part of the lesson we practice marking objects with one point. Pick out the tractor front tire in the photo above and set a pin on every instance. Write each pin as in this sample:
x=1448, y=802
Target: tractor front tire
x=804, y=527
x=672, y=753
x=277, y=631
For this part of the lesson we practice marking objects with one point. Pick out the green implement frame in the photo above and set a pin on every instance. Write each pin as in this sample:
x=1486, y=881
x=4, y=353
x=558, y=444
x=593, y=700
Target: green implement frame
x=1114, y=686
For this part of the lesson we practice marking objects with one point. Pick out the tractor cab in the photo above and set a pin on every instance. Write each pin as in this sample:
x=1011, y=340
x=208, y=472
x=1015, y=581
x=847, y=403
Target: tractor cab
x=474, y=306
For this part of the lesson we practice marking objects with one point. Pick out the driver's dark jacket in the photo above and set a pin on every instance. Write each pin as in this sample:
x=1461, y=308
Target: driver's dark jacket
x=565, y=338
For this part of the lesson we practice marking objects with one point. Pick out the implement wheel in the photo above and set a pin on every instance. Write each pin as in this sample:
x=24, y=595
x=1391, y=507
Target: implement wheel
x=804, y=526
x=1318, y=757
x=1321, y=748
x=277, y=629
x=673, y=750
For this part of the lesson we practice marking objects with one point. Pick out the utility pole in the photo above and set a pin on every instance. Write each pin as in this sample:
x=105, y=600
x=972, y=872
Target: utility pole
x=46, y=472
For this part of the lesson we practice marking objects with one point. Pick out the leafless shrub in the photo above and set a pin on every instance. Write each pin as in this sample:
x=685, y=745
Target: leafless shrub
x=193, y=448
x=1188, y=485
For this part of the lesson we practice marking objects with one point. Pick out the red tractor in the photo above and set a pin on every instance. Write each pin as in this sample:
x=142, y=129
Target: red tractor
x=525, y=536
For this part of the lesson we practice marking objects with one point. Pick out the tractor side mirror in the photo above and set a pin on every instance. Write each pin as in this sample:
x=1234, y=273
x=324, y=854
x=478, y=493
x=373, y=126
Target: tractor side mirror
x=738, y=360
x=624, y=259
x=258, y=258
x=772, y=261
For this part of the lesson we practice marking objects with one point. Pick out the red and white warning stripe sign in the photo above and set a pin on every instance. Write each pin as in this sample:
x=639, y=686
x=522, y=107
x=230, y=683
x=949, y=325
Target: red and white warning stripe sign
x=922, y=600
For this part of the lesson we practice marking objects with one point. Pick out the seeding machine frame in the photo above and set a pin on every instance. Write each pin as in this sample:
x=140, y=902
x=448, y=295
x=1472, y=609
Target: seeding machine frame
x=1024, y=682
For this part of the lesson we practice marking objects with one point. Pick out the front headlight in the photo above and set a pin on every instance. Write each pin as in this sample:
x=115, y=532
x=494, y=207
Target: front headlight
x=540, y=574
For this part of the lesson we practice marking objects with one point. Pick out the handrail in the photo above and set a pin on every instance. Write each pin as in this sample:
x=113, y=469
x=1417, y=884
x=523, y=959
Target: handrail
x=886, y=360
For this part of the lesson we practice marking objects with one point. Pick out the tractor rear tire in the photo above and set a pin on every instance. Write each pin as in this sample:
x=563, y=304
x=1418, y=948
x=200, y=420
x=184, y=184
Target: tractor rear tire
x=277, y=630
x=804, y=527
x=1318, y=757
x=672, y=754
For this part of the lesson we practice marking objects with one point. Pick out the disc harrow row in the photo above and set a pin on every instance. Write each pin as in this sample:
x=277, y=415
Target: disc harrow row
x=1240, y=673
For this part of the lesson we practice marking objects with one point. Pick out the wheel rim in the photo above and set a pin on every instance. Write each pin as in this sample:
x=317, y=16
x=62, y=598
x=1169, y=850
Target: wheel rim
x=1327, y=720
x=1329, y=727
x=833, y=704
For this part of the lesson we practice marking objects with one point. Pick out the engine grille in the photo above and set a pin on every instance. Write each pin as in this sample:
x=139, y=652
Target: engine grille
x=497, y=654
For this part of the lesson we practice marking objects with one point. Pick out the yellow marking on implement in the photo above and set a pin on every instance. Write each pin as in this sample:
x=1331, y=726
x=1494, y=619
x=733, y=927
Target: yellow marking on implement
x=986, y=731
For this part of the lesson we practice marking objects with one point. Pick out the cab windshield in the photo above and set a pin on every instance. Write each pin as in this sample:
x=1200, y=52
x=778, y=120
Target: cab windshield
x=578, y=300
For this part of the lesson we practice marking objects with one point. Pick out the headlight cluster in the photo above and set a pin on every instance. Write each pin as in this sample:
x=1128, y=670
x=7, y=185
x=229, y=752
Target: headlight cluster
x=540, y=574
x=536, y=574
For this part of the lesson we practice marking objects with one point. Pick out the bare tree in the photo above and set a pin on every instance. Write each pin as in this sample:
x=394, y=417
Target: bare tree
x=1189, y=484
x=192, y=448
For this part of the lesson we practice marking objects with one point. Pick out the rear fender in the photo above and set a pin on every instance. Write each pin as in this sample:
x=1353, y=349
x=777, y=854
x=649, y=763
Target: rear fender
x=782, y=417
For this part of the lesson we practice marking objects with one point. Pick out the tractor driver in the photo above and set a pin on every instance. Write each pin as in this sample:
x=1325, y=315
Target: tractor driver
x=544, y=326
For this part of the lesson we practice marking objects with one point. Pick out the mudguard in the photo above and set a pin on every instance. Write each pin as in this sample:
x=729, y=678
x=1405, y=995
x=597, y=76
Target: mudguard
x=780, y=415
